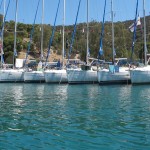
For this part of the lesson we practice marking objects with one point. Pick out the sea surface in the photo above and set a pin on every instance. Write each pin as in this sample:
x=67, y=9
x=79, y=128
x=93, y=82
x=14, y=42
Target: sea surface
x=74, y=117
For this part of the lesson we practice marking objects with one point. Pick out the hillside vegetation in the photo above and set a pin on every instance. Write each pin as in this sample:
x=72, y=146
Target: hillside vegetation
x=123, y=40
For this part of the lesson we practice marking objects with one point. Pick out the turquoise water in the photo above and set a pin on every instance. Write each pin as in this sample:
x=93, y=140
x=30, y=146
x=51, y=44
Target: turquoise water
x=43, y=116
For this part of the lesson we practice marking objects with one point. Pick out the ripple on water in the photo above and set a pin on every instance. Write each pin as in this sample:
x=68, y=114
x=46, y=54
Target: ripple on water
x=37, y=116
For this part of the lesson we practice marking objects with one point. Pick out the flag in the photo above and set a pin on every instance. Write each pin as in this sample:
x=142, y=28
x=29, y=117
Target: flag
x=15, y=53
x=138, y=23
x=131, y=28
x=83, y=30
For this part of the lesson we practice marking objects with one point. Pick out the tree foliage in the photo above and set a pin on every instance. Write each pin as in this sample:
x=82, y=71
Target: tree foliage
x=123, y=39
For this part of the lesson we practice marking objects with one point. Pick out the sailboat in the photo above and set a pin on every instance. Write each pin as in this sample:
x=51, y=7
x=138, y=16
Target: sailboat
x=38, y=75
x=15, y=74
x=58, y=75
x=85, y=73
x=141, y=75
x=115, y=73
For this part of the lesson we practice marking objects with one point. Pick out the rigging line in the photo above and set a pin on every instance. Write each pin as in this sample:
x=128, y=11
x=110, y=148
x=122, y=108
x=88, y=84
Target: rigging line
x=31, y=34
x=15, y=35
x=52, y=36
x=1, y=4
x=4, y=18
x=74, y=31
x=102, y=33
x=134, y=33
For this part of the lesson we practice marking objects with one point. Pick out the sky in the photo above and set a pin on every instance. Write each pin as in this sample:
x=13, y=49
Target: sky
x=123, y=10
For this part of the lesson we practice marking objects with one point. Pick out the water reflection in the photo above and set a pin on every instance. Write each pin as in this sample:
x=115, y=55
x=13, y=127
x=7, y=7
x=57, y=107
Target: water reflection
x=17, y=93
x=58, y=95
x=87, y=116
x=12, y=93
x=39, y=90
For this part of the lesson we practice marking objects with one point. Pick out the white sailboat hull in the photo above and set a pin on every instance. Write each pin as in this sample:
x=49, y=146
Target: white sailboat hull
x=76, y=76
x=140, y=75
x=106, y=77
x=56, y=76
x=11, y=75
x=34, y=76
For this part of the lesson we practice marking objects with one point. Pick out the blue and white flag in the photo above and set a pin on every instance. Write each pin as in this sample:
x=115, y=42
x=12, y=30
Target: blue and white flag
x=15, y=53
x=138, y=23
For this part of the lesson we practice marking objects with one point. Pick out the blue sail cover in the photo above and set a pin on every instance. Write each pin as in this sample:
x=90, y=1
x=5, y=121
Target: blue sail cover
x=101, y=52
x=102, y=34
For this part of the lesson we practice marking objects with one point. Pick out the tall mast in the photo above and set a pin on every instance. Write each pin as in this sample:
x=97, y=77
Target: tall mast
x=87, y=51
x=63, y=48
x=15, y=34
x=112, y=19
x=4, y=2
x=145, y=46
x=42, y=30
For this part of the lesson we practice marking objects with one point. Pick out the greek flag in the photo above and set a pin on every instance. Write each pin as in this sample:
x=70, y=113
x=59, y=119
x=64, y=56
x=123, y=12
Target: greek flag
x=138, y=23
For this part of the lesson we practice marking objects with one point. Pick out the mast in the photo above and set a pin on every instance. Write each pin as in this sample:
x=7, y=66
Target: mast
x=87, y=51
x=134, y=33
x=4, y=2
x=112, y=19
x=42, y=30
x=15, y=34
x=63, y=48
x=145, y=46
x=52, y=36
